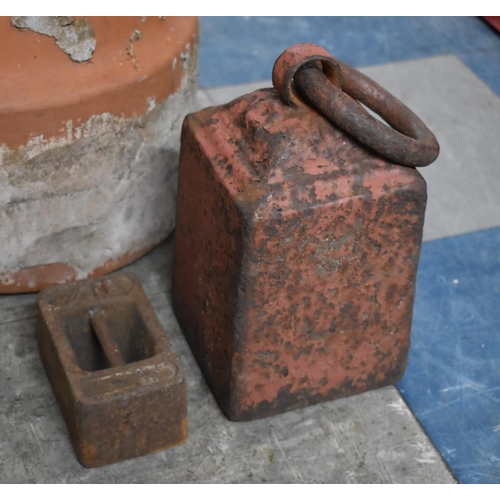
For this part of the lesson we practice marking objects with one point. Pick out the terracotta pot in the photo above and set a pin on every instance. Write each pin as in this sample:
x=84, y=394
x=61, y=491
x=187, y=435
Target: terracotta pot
x=89, y=149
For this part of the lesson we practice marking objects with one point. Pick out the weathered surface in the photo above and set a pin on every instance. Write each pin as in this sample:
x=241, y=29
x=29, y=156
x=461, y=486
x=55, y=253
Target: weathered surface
x=369, y=438
x=99, y=197
x=106, y=190
x=334, y=88
x=92, y=200
x=88, y=173
x=75, y=37
x=42, y=88
x=120, y=386
x=296, y=257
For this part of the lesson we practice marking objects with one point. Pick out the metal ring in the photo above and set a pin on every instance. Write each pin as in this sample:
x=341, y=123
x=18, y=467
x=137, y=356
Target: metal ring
x=334, y=88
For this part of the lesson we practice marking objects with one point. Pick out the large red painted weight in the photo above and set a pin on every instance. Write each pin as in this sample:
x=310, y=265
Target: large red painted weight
x=296, y=253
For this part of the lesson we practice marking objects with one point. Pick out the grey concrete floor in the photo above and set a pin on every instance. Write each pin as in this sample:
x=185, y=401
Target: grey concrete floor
x=369, y=438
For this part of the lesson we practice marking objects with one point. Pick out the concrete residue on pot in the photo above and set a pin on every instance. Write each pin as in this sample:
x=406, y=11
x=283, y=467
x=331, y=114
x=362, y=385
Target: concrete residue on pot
x=95, y=199
x=75, y=37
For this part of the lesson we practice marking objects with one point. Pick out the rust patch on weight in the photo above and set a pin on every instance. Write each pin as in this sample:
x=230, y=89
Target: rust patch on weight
x=120, y=386
x=296, y=254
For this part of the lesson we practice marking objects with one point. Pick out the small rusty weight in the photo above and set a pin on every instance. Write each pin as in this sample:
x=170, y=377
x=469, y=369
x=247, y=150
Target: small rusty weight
x=298, y=237
x=120, y=386
x=333, y=87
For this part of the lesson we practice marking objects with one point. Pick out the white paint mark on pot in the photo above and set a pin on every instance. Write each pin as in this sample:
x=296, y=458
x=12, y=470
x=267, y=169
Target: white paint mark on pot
x=75, y=37
x=151, y=103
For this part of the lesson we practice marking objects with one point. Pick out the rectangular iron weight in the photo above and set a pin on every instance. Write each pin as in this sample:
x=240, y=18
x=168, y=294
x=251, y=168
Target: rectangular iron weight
x=120, y=386
x=296, y=253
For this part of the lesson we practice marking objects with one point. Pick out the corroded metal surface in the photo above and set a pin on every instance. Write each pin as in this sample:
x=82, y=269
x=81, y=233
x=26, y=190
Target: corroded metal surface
x=295, y=259
x=334, y=88
x=120, y=386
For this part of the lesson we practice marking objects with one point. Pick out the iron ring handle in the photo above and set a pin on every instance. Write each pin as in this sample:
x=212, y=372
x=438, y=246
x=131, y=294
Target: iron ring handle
x=334, y=88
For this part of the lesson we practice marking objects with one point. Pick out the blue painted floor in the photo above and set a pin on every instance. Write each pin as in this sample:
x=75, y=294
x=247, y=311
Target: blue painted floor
x=243, y=49
x=452, y=383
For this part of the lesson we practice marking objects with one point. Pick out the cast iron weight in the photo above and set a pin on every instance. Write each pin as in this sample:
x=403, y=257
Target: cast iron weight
x=299, y=226
x=120, y=386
